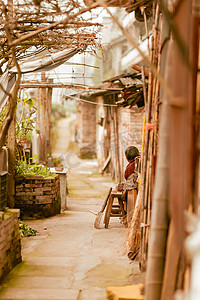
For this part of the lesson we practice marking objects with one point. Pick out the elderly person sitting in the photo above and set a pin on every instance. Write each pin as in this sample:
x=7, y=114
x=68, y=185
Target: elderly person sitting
x=131, y=184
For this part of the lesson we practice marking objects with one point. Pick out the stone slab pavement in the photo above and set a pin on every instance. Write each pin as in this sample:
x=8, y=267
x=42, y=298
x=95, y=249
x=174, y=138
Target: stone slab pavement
x=68, y=258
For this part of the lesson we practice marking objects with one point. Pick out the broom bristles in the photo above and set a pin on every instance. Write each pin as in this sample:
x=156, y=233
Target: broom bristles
x=134, y=236
x=97, y=223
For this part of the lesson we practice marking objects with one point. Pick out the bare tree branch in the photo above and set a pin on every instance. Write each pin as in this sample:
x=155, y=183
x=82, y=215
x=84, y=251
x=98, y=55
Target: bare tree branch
x=55, y=24
x=50, y=24
x=38, y=25
x=13, y=95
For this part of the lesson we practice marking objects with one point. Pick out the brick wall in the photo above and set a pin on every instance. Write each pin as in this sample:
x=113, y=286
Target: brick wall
x=37, y=197
x=130, y=131
x=10, y=241
x=87, y=130
x=130, y=123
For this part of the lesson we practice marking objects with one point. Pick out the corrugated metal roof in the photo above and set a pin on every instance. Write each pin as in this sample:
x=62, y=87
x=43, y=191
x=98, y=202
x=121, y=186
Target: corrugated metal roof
x=46, y=62
x=127, y=81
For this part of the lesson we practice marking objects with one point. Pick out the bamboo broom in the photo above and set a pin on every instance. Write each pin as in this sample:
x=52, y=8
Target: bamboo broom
x=134, y=236
x=133, y=242
x=97, y=222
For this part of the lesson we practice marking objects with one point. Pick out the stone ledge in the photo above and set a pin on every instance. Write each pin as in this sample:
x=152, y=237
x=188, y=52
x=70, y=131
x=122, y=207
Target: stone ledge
x=34, y=177
x=14, y=211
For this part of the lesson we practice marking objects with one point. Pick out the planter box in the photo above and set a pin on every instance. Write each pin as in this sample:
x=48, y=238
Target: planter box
x=37, y=197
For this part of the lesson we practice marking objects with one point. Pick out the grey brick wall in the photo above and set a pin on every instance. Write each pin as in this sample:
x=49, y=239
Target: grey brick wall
x=37, y=197
x=10, y=241
x=87, y=130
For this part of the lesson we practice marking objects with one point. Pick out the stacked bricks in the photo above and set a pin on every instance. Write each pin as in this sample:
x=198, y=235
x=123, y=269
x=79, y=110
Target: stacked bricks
x=37, y=197
x=130, y=131
x=10, y=241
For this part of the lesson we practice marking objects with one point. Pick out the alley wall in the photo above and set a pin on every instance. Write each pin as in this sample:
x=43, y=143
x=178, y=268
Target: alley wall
x=87, y=130
x=10, y=241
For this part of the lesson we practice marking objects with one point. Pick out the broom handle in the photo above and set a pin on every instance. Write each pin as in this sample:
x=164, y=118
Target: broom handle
x=105, y=203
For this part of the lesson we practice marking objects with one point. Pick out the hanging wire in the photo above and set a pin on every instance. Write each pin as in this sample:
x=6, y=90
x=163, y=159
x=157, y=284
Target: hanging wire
x=79, y=64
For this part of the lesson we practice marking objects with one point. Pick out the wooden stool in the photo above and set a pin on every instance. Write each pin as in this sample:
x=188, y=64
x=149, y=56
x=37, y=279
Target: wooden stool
x=114, y=210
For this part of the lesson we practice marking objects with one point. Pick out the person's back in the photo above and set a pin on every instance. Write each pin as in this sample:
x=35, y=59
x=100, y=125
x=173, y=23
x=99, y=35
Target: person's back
x=131, y=177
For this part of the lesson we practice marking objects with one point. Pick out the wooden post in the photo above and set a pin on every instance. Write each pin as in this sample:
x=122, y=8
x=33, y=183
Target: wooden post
x=173, y=252
x=11, y=141
x=107, y=138
x=49, y=102
x=43, y=118
x=181, y=124
x=116, y=139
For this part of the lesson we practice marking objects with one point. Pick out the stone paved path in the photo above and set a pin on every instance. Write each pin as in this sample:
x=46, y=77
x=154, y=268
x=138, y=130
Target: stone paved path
x=70, y=259
x=64, y=135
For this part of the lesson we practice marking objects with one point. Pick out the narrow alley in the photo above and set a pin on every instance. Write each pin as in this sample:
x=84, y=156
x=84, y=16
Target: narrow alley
x=100, y=117
x=63, y=135
x=68, y=258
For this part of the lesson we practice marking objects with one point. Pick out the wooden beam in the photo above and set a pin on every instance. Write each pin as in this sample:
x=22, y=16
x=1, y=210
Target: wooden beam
x=28, y=85
x=139, y=69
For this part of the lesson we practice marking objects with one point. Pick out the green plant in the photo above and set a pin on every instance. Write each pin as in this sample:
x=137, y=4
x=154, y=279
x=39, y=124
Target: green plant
x=25, y=230
x=22, y=168
x=26, y=112
x=57, y=162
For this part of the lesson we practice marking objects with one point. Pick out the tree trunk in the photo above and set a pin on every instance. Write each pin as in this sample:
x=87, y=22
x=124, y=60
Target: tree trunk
x=12, y=161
